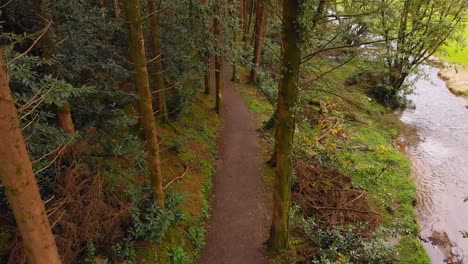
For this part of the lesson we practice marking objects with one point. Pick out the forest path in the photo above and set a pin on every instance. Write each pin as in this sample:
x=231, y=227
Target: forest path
x=239, y=222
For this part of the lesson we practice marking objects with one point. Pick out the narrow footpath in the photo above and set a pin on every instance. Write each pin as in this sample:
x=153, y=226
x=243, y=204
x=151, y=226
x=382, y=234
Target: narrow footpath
x=238, y=226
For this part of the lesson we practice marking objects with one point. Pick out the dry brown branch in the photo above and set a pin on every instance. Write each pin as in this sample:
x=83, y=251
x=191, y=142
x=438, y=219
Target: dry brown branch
x=176, y=179
x=348, y=209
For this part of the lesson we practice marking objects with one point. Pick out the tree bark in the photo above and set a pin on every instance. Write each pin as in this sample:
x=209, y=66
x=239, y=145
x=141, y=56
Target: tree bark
x=62, y=113
x=132, y=9
x=284, y=136
x=102, y=6
x=250, y=8
x=158, y=77
x=243, y=19
x=235, y=39
x=218, y=64
x=64, y=118
x=207, y=76
x=116, y=8
x=206, y=55
x=17, y=177
x=260, y=31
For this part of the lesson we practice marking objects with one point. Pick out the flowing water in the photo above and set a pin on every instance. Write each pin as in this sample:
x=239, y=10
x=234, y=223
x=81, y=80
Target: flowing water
x=440, y=167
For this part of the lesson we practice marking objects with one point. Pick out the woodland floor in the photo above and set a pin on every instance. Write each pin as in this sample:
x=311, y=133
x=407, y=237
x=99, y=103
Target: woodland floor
x=238, y=226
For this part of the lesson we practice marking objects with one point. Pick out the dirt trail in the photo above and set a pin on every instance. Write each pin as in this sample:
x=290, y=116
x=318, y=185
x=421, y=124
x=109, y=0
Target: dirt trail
x=238, y=226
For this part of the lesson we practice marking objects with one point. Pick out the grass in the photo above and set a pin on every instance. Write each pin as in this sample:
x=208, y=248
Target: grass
x=454, y=53
x=362, y=148
x=462, y=92
x=410, y=248
x=190, y=141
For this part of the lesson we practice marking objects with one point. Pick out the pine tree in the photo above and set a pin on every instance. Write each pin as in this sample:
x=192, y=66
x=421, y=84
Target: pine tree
x=136, y=42
x=284, y=136
x=18, y=179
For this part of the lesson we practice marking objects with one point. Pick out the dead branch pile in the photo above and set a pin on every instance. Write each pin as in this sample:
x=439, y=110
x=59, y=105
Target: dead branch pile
x=82, y=211
x=329, y=197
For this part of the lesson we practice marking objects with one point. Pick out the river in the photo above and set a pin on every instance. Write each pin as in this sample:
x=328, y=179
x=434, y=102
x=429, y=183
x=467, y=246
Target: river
x=440, y=167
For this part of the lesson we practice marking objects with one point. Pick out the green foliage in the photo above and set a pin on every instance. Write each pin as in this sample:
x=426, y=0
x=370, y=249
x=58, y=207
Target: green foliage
x=255, y=105
x=125, y=251
x=411, y=251
x=412, y=32
x=180, y=256
x=150, y=222
x=197, y=237
x=345, y=244
x=268, y=86
x=463, y=92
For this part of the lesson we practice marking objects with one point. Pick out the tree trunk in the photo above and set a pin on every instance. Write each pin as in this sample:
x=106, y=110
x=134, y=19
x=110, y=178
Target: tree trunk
x=235, y=39
x=206, y=55
x=207, y=76
x=158, y=77
x=284, y=136
x=250, y=8
x=132, y=10
x=243, y=19
x=62, y=113
x=218, y=64
x=64, y=119
x=102, y=6
x=116, y=8
x=260, y=31
x=17, y=177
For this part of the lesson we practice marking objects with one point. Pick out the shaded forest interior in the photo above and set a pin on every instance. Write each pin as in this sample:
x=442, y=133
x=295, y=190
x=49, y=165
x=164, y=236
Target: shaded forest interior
x=110, y=113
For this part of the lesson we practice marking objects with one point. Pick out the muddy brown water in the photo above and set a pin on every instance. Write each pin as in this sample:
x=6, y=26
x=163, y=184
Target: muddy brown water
x=440, y=167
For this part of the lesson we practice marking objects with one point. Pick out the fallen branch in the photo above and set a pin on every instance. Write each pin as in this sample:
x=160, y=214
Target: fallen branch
x=348, y=209
x=176, y=179
x=355, y=199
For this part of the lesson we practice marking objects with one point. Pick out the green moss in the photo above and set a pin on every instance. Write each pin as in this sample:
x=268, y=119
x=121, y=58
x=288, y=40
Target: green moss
x=254, y=100
x=462, y=92
x=411, y=251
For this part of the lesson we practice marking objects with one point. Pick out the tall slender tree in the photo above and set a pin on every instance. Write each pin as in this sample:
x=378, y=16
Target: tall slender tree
x=63, y=111
x=132, y=9
x=284, y=136
x=259, y=37
x=243, y=16
x=158, y=75
x=218, y=59
x=116, y=8
x=19, y=182
x=206, y=54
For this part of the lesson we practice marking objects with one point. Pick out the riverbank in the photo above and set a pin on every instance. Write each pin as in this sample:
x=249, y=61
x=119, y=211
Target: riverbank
x=456, y=78
x=439, y=166
x=353, y=196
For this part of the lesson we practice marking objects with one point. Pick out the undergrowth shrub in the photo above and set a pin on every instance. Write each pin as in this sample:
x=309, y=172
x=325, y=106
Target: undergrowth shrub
x=268, y=86
x=341, y=244
x=377, y=83
x=180, y=256
x=196, y=235
x=179, y=98
x=149, y=222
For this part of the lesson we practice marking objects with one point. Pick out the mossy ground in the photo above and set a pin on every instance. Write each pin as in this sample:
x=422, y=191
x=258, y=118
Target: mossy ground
x=362, y=146
x=190, y=141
